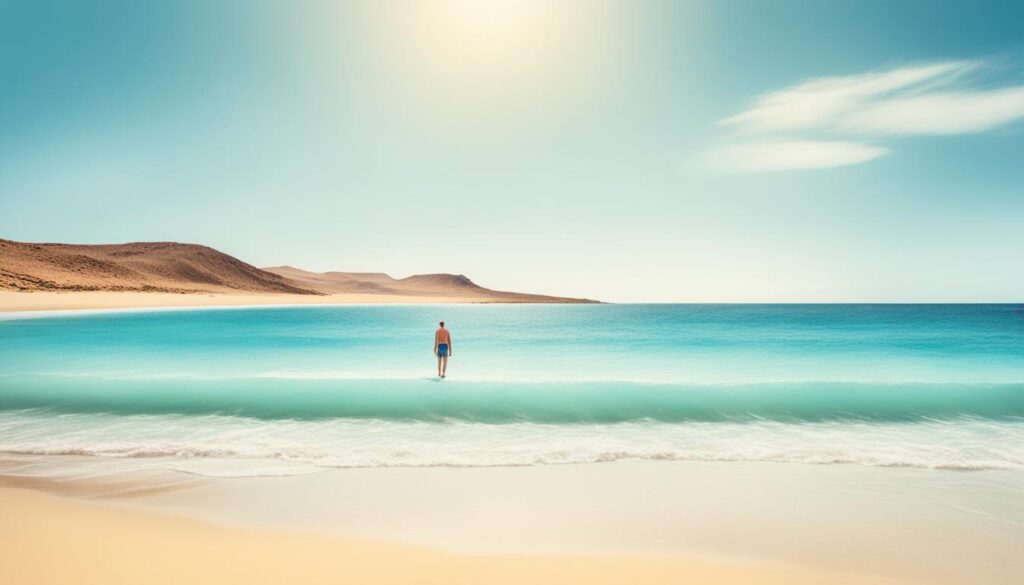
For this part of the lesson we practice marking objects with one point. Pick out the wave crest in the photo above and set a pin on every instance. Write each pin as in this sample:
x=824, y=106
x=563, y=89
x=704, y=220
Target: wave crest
x=506, y=402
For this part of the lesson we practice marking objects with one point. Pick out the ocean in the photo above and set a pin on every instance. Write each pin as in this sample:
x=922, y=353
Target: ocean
x=295, y=390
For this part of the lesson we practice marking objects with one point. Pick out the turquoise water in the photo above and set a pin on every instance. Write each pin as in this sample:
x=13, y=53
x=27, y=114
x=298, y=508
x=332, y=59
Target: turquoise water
x=301, y=388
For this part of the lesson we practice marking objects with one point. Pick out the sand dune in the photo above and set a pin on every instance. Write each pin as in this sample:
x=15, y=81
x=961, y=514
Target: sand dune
x=147, y=267
x=420, y=285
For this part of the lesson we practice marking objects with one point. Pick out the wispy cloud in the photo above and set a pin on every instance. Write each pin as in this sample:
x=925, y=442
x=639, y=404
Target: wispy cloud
x=929, y=99
x=784, y=155
x=824, y=101
x=957, y=112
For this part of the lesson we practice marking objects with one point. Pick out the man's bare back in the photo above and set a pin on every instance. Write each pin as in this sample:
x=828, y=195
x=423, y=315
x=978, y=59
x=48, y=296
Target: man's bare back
x=442, y=336
x=442, y=349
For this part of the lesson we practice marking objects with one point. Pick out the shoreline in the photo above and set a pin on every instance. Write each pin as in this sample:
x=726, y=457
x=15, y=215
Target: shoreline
x=11, y=314
x=47, y=302
x=111, y=538
x=703, y=521
x=52, y=539
x=44, y=303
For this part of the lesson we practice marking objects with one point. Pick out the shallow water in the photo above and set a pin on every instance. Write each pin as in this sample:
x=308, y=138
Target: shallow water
x=294, y=390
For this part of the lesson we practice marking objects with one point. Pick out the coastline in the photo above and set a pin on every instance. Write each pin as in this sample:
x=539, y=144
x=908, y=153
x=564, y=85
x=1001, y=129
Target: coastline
x=633, y=521
x=39, y=301
x=116, y=532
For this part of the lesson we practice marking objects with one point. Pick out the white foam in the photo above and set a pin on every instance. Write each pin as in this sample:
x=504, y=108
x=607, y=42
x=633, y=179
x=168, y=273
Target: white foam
x=232, y=446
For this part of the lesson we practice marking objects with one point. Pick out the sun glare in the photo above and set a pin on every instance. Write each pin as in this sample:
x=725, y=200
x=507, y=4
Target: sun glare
x=492, y=45
x=494, y=27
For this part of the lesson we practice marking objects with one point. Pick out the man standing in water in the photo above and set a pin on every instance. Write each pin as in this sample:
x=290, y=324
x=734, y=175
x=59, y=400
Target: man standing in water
x=442, y=349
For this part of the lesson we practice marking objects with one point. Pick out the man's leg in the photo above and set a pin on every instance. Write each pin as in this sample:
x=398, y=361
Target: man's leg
x=444, y=366
x=439, y=360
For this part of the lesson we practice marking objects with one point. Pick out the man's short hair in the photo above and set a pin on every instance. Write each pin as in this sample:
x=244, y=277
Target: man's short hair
x=442, y=323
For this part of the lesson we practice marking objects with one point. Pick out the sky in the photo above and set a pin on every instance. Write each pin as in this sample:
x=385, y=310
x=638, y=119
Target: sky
x=688, y=151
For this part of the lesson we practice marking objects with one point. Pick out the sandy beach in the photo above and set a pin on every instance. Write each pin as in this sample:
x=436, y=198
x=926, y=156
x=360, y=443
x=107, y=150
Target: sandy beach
x=88, y=521
x=52, y=540
x=89, y=300
x=133, y=530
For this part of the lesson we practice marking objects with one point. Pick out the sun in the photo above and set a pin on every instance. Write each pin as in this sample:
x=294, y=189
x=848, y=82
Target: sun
x=495, y=29
x=480, y=45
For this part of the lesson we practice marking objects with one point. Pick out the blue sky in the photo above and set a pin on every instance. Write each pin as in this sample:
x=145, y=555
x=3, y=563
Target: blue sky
x=642, y=151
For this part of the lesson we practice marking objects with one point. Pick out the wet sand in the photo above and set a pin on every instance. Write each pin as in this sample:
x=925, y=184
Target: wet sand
x=647, y=522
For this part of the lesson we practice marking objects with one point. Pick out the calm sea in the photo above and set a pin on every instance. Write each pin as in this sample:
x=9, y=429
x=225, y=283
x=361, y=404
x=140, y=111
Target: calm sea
x=293, y=390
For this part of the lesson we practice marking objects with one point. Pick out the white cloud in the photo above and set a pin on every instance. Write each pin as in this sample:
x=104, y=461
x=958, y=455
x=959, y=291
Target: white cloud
x=940, y=113
x=821, y=101
x=929, y=99
x=784, y=155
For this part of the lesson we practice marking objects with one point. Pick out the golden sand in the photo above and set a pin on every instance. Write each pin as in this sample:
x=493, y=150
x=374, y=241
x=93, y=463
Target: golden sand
x=55, y=301
x=47, y=540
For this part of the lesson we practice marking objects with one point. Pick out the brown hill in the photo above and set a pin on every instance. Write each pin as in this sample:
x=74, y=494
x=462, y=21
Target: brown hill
x=190, y=268
x=338, y=282
x=146, y=266
x=447, y=286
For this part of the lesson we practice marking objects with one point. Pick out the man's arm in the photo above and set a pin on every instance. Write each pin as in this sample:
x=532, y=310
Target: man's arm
x=437, y=337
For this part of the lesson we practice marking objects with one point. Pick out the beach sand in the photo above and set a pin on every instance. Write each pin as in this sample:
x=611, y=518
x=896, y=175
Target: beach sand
x=53, y=540
x=84, y=520
x=89, y=300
